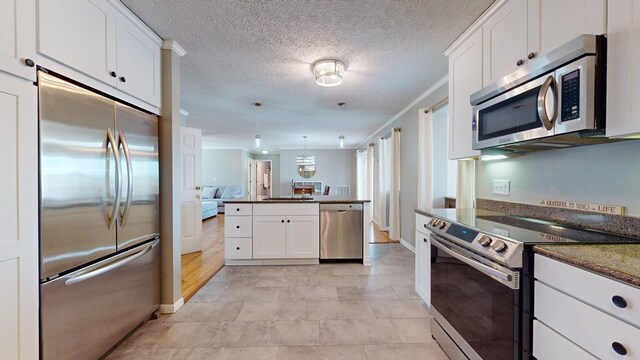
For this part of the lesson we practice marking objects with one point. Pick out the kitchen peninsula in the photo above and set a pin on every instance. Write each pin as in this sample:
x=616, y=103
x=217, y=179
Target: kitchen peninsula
x=286, y=230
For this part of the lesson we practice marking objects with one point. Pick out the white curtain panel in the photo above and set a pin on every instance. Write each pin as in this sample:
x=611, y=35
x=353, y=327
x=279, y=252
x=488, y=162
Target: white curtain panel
x=381, y=185
x=465, y=196
x=425, y=159
x=369, y=173
x=361, y=162
x=394, y=197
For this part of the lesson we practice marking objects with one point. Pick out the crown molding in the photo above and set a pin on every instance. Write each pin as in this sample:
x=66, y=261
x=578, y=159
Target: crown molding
x=421, y=97
x=476, y=25
x=174, y=46
x=135, y=20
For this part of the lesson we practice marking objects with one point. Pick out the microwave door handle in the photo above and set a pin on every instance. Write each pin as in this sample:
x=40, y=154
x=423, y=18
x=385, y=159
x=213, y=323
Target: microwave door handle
x=547, y=121
x=127, y=156
x=116, y=155
x=474, y=264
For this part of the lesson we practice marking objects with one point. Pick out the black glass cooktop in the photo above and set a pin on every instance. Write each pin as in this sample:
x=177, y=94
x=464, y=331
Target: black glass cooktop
x=527, y=230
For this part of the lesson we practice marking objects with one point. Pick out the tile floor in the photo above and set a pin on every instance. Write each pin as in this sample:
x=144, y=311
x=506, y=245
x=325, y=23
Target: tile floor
x=327, y=311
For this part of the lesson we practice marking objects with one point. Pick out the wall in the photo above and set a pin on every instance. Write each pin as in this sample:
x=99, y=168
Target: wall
x=333, y=167
x=446, y=171
x=604, y=174
x=408, y=122
x=225, y=167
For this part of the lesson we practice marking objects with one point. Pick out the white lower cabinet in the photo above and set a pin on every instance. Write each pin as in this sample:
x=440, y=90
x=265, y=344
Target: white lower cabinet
x=238, y=248
x=19, y=219
x=573, y=320
x=303, y=234
x=423, y=259
x=269, y=237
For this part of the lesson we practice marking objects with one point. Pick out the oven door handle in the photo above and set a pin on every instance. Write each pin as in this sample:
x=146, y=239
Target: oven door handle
x=488, y=270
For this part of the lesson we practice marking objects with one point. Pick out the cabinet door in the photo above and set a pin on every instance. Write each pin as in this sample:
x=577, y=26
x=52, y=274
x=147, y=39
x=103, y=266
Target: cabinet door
x=423, y=266
x=623, y=68
x=79, y=34
x=138, y=63
x=303, y=237
x=465, y=78
x=17, y=37
x=505, y=41
x=269, y=234
x=554, y=22
x=19, y=219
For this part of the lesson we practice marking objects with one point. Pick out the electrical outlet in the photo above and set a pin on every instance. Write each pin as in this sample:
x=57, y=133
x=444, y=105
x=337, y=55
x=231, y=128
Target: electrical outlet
x=501, y=187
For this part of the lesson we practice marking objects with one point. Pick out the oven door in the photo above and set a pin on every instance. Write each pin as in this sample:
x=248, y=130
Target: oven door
x=526, y=112
x=476, y=302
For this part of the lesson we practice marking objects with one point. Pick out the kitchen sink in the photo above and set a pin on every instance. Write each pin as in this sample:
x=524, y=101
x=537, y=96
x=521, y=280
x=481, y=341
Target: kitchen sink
x=289, y=198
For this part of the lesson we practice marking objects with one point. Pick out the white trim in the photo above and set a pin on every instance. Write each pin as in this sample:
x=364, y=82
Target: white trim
x=174, y=46
x=407, y=245
x=135, y=20
x=184, y=112
x=476, y=25
x=421, y=97
x=171, y=308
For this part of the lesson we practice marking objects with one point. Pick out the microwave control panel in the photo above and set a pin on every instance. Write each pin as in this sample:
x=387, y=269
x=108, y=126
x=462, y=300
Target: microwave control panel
x=570, y=96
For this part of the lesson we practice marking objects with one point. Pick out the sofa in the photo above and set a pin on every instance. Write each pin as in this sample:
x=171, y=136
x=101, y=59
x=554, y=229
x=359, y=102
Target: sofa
x=213, y=197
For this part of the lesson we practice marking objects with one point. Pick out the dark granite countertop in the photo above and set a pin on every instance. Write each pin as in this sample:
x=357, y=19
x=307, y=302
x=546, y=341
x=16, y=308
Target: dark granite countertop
x=620, y=262
x=315, y=199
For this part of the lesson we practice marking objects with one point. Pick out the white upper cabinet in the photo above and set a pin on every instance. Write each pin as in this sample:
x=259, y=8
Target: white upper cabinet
x=505, y=41
x=104, y=41
x=17, y=37
x=623, y=68
x=138, y=62
x=554, y=22
x=79, y=34
x=465, y=78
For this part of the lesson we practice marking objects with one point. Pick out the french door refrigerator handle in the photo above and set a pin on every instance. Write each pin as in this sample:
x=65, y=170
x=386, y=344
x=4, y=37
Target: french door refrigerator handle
x=474, y=264
x=104, y=269
x=127, y=155
x=116, y=156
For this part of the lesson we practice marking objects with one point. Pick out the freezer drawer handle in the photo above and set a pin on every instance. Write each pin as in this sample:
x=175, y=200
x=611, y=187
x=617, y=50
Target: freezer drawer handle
x=116, y=156
x=112, y=266
x=127, y=155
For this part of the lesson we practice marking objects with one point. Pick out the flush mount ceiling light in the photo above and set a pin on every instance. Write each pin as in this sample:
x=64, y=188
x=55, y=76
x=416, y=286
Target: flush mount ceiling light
x=265, y=151
x=328, y=72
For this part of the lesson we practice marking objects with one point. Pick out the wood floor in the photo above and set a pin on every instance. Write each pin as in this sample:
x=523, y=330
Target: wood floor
x=379, y=236
x=198, y=268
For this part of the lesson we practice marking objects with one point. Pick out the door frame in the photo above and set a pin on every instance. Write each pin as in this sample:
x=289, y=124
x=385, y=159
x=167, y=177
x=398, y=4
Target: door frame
x=256, y=161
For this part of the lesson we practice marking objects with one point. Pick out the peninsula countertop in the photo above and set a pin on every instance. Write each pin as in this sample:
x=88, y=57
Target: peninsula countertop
x=620, y=262
x=315, y=199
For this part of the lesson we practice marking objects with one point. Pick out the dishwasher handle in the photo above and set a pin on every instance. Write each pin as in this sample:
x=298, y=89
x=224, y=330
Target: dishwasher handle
x=341, y=207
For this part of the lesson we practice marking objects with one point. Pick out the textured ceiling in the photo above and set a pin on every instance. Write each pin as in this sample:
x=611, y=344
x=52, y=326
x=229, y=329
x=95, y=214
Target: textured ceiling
x=241, y=52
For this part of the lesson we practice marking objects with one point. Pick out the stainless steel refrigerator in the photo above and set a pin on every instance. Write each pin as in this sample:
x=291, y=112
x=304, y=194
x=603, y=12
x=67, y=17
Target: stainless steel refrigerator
x=99, y=220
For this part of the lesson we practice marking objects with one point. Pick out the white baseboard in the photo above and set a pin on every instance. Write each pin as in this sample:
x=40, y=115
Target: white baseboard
x=171, y=308
x=408, y=246
x=366, y=261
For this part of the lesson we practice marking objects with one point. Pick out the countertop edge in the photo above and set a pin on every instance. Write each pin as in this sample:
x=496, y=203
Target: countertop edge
x=295, y=201
x=617, y=275
x=423, y=212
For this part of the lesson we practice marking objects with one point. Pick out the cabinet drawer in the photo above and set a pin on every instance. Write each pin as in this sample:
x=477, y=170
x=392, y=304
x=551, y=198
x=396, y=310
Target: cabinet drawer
x=238, y=226
x=593, y=289
x=549, y=345
x=286, y=209
x=237, y=248
x=238, y=209
x=422, y=222
x=587, y=327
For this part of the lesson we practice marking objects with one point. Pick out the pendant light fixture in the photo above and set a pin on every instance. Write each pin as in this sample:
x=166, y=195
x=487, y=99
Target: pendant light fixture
x=306, y=163
x=328, y=72
x=341, y=137
x=257, y=139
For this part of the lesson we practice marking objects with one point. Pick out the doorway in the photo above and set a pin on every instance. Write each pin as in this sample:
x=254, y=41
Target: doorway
x=262, y=179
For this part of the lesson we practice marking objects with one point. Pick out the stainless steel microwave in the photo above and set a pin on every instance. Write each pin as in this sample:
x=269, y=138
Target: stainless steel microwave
x=555, y=101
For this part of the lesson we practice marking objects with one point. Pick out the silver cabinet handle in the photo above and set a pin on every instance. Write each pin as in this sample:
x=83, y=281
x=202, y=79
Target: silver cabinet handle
x=116, y=156
x=550, y=82
x=127, y=156
x=104, y=269
x=487, y=270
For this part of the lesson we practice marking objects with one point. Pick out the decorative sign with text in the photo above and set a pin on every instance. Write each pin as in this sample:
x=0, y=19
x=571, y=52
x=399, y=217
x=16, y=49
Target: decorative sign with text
x=575, y=205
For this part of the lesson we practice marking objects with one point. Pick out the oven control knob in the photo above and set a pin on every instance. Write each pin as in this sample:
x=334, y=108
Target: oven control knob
x=499, y=246
x=442, y=225
x=485, y=240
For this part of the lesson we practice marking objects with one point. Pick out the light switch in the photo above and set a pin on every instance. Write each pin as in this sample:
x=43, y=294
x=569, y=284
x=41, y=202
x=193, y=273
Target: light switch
x=501, y=187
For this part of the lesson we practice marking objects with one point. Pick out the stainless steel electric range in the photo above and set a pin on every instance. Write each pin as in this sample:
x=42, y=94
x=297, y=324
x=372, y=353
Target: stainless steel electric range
x=482, y=279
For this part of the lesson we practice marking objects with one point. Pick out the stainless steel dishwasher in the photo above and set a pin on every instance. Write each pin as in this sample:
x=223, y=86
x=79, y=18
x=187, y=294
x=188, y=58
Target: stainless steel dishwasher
x=341, y=231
